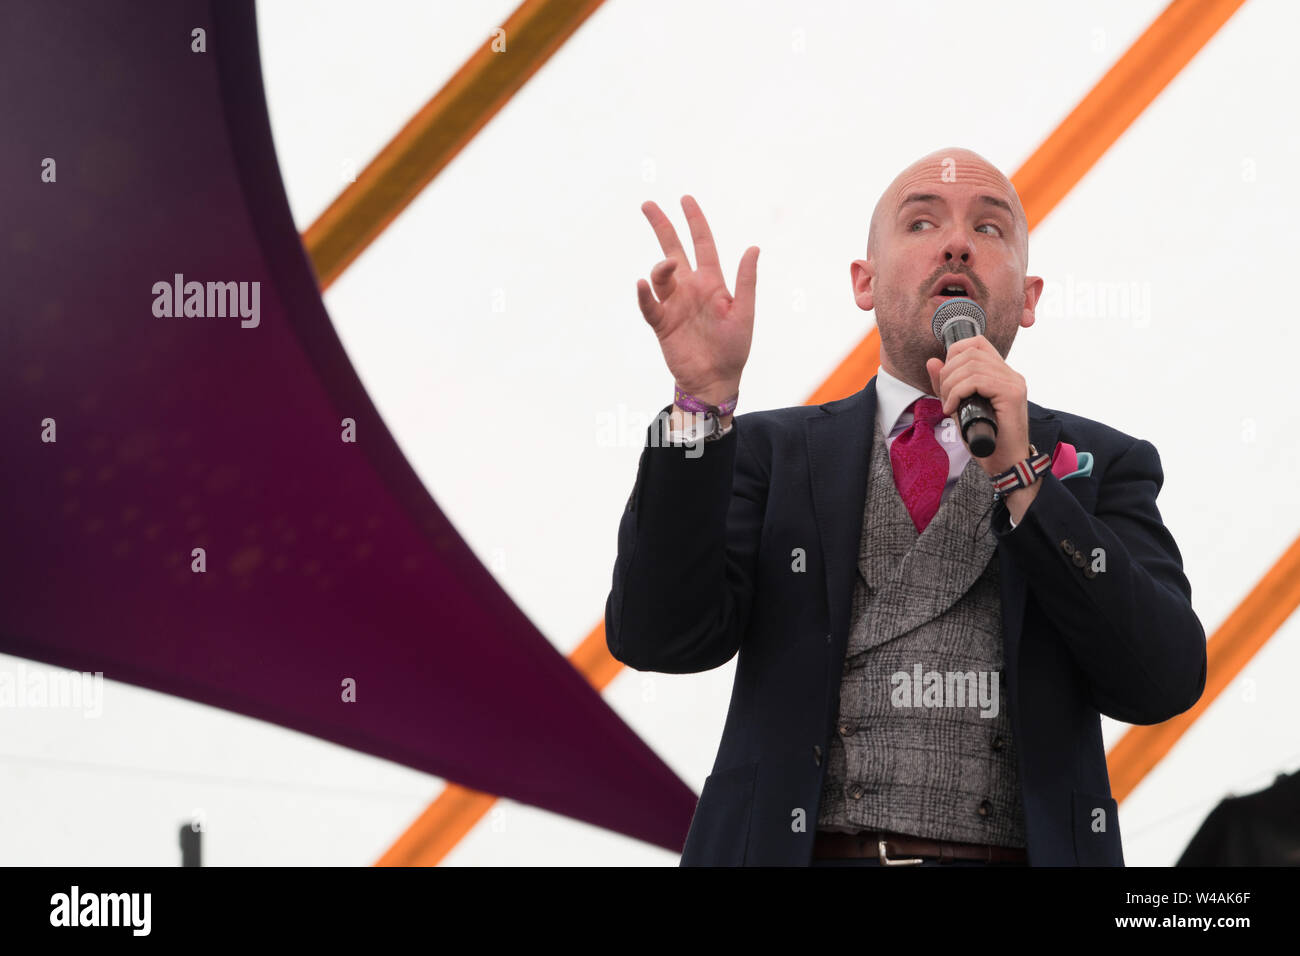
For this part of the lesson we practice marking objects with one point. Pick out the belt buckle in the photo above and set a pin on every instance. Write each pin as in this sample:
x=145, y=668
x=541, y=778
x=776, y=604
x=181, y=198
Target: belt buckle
x=886, y=861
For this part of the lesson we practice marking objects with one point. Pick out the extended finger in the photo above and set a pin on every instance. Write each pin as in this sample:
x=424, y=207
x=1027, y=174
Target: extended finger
x=746, y=280
x=665, y=232
x=706, y=255
x=652, y=310
x=661, y=278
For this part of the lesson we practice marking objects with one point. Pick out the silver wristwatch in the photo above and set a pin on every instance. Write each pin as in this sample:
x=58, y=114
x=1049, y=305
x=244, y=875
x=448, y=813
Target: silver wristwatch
x=700, y=427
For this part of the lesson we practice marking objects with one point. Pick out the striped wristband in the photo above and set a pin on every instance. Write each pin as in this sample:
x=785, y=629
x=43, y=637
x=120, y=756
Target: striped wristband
x=1022, y=474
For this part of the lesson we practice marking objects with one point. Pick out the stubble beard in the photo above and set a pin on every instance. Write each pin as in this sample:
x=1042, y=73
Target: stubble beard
x=911, y=342
x=906, y=337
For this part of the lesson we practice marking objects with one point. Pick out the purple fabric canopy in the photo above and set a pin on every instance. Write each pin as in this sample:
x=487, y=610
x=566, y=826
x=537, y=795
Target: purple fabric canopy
x=326, y=560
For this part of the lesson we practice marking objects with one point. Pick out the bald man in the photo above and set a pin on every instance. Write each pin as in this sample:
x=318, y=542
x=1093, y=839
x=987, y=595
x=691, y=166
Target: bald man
x=926, y=639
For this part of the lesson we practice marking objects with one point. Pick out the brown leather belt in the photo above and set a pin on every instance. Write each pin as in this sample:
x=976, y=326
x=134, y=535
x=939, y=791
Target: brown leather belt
x=899, y=849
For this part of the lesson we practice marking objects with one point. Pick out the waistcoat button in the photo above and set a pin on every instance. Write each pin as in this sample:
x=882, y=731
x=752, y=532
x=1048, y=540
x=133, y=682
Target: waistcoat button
x=984, y=808
x=846, y=730
x=997, y=743
x=856, y=791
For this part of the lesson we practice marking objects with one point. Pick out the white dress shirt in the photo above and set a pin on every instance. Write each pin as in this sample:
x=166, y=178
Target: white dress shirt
x=892, y=413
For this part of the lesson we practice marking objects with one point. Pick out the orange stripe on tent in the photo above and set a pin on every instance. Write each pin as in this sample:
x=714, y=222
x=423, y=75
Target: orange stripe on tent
x=439, y=131
x=1123, y=93
x=1131, y=84
x=439, y=828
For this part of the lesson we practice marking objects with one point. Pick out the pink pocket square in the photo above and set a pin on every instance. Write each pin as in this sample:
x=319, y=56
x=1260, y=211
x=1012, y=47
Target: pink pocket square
x=1065, y=460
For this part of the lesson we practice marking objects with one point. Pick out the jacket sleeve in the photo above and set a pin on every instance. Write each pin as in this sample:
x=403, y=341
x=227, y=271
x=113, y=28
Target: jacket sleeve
x=1130, y=628
x=687, y=547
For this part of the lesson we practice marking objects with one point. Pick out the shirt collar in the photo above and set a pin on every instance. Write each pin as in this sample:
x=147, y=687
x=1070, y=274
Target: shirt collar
x=893, y=397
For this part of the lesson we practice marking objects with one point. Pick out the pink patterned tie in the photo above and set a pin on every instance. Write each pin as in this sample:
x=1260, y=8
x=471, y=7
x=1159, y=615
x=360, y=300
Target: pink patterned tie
x=920, y=463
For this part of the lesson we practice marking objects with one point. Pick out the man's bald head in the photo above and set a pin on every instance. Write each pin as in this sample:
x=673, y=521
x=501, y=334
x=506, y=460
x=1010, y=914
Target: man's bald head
x=947, y=164
x=951, y=215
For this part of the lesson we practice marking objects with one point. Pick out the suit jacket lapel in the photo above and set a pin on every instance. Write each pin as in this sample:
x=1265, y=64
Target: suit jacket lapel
x=840, y=441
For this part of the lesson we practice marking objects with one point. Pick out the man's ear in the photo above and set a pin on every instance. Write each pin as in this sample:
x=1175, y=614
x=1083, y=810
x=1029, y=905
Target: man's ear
x=1033, y=290
x=863, y=274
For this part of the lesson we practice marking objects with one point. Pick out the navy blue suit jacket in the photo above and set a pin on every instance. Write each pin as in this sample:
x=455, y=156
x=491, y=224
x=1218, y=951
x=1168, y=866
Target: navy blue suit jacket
x=704, y=571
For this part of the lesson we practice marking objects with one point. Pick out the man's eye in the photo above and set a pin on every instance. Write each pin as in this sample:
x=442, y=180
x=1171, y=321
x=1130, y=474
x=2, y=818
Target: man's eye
x=994, y=225
x=915, y=222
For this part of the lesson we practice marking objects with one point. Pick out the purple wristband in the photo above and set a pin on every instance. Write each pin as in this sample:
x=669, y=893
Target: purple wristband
x=689, y=403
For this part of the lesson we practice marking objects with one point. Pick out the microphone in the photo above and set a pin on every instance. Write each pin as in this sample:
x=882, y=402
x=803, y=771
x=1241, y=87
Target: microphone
x=961, y=318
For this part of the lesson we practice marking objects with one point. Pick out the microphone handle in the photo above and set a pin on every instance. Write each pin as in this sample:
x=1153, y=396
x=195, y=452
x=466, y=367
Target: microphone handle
x=979, y=426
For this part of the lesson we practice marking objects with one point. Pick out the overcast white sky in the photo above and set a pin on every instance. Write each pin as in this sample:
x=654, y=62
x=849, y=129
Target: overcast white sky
x=512, y=278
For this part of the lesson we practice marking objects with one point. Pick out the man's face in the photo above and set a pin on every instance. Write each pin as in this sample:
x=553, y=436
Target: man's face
x=949, y=215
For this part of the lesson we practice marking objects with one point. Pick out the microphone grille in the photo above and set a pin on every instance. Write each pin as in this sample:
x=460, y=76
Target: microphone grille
x=960, y=307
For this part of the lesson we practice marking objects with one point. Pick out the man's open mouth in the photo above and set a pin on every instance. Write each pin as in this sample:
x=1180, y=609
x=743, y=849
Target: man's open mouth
x=951, y=286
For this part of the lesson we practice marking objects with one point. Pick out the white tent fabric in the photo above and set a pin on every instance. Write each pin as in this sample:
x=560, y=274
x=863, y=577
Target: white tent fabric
x=495, y=325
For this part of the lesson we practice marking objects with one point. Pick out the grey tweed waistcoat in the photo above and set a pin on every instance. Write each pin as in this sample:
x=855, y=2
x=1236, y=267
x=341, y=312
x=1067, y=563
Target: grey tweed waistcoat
x=923, y=741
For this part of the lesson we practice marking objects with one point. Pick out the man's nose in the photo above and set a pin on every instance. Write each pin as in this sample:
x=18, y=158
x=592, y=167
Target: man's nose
x=957, y=245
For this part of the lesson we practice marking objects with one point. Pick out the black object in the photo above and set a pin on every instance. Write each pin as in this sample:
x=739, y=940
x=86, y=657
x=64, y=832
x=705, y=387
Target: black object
x=191, y=844
x=1258, y=829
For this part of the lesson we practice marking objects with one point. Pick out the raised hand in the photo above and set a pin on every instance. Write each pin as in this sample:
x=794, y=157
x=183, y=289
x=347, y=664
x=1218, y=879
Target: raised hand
x=703, y=330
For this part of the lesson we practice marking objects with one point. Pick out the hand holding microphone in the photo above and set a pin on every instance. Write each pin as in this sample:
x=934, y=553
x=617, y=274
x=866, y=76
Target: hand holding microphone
x=962, y=318
x=974, y=383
